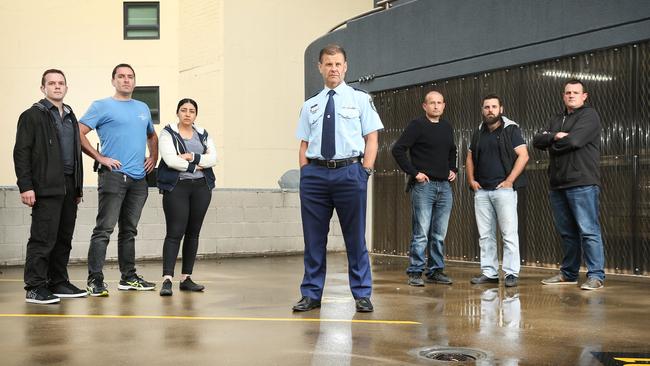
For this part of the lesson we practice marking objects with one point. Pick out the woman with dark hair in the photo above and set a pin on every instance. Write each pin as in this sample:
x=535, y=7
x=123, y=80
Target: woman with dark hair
x=186, y=180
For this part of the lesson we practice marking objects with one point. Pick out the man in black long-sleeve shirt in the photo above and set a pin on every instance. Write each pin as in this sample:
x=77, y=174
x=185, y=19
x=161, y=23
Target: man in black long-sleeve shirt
x=572, y=140
x=429, y=141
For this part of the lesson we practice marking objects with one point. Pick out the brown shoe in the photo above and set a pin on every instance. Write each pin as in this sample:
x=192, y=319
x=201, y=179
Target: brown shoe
x=559, y=279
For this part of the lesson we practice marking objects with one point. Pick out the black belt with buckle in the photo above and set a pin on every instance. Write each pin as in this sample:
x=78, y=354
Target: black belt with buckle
x=335, y=163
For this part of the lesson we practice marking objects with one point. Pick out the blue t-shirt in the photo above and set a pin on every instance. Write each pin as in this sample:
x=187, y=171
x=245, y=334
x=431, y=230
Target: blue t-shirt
x=123, y=127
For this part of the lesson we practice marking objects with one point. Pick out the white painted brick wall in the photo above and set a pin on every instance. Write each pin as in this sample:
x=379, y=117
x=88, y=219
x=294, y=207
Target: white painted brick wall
x=238, y=222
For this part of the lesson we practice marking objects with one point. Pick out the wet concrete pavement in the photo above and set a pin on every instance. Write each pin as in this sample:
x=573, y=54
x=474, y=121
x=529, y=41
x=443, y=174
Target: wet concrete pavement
x=245, y=318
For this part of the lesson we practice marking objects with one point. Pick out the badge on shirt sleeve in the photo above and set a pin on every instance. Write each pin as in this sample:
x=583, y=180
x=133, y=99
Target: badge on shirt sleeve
x=313, y=109
x=372, y=104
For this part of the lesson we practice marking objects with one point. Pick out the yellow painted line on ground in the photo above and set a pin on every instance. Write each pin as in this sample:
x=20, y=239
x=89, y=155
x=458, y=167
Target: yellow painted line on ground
x=222, y=318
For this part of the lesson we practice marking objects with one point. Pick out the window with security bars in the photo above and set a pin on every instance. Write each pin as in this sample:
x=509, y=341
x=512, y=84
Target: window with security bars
x=150, y=95
x=141, y=20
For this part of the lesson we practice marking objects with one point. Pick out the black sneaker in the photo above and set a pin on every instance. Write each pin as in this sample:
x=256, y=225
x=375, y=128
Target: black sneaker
x=438, y=276
x=482, y=279
x=166, y=289
x=96, y=287
x=66, y=289
x=136, y=283
x=511, y=280
x=415, y=279
x=41, y=295
x=364, y=305
x=189, y=285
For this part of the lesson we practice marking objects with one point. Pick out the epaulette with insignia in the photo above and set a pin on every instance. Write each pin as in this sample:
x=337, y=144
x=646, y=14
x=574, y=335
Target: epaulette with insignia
x=372, y=104
x=361, y=90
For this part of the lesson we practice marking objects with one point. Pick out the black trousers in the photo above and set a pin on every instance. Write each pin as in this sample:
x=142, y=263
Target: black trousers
x=185, y=207
x=50, y=241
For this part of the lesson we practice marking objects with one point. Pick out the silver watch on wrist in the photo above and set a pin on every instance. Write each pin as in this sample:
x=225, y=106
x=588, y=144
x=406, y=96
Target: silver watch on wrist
x=370, y=171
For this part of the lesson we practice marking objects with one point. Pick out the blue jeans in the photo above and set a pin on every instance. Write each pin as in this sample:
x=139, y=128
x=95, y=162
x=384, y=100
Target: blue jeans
x=431, y=206
x=492, y=207
x=575, y=211
x=121, y=200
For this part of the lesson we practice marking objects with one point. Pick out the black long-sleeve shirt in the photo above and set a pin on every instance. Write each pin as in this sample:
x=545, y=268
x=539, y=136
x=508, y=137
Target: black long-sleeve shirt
x=430, y=146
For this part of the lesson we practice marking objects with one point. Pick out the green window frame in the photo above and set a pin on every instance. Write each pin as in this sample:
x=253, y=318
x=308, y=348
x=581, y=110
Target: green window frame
x=150, y=95
x=142, y=20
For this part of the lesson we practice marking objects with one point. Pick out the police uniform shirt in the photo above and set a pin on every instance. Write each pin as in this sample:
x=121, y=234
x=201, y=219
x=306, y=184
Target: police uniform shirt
x=355, y=118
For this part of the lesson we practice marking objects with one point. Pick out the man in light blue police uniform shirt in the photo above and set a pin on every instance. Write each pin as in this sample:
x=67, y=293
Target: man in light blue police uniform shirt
x=338, y=129
x=125, y=129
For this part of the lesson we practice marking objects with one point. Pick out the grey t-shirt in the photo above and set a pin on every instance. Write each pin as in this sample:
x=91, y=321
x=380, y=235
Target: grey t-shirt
x=65, y=132
x=193, y=145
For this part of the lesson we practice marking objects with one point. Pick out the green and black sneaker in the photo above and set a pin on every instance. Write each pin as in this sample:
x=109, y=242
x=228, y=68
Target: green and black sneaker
x=96, y=287
x=136, y=283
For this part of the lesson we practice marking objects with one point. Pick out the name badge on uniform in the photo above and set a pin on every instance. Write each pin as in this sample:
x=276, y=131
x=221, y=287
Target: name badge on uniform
x=313, y=109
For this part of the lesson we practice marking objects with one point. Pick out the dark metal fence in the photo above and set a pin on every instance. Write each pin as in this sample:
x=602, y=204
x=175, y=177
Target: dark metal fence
x=618, y=83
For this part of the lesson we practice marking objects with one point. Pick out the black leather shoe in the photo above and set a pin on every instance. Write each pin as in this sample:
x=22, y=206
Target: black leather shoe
x=482, y=279
x=306, y=304
x=364, y=305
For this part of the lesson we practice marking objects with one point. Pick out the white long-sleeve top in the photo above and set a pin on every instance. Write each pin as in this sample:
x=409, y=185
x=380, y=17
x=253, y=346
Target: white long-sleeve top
x=169, y=153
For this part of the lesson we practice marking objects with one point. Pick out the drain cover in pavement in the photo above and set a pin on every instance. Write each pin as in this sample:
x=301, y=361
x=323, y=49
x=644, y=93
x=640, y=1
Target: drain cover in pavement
x=452, y=354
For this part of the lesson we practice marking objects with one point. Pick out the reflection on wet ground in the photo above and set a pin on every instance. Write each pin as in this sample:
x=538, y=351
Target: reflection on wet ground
x=245, y=317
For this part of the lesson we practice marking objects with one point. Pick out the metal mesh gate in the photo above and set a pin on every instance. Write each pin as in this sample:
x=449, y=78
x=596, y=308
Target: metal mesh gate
x=618, y=83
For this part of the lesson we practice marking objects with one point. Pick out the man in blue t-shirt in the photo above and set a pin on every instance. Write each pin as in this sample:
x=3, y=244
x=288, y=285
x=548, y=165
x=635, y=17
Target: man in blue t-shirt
x=495, y=165
x=124, y=128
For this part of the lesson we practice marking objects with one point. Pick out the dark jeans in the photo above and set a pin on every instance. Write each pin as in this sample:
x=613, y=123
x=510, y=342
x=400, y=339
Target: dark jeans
x=185, y=207
x=576, y=211
x=49, y=245
x=121, y=200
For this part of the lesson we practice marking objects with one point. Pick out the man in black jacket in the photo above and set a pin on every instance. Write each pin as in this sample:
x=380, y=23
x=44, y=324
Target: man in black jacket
x=572, y=139
x=431, y=167
x=495, y=164
x=47, y=160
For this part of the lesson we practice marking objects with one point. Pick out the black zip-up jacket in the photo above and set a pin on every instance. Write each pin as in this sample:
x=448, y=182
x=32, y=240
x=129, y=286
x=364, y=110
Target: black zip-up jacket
x=37, y=154
x=507, y=154
x=574, y=159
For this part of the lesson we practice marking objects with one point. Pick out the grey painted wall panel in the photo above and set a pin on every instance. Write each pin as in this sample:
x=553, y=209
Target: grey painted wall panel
x=431, y=40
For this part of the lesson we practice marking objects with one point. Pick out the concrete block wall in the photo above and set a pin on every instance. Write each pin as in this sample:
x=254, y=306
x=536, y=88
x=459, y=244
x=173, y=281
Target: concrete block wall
x=238, y=222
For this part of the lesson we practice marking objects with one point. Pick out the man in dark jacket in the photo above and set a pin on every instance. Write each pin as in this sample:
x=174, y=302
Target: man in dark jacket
x=495, y=164
x=429, y=141
x=47, y=160
x=573, y=143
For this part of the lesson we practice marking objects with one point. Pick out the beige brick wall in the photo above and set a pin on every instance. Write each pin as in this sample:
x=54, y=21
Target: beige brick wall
x=239, y=222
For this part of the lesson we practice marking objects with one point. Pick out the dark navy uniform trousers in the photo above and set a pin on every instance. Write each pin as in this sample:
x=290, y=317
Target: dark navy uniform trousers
x=321, y=191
